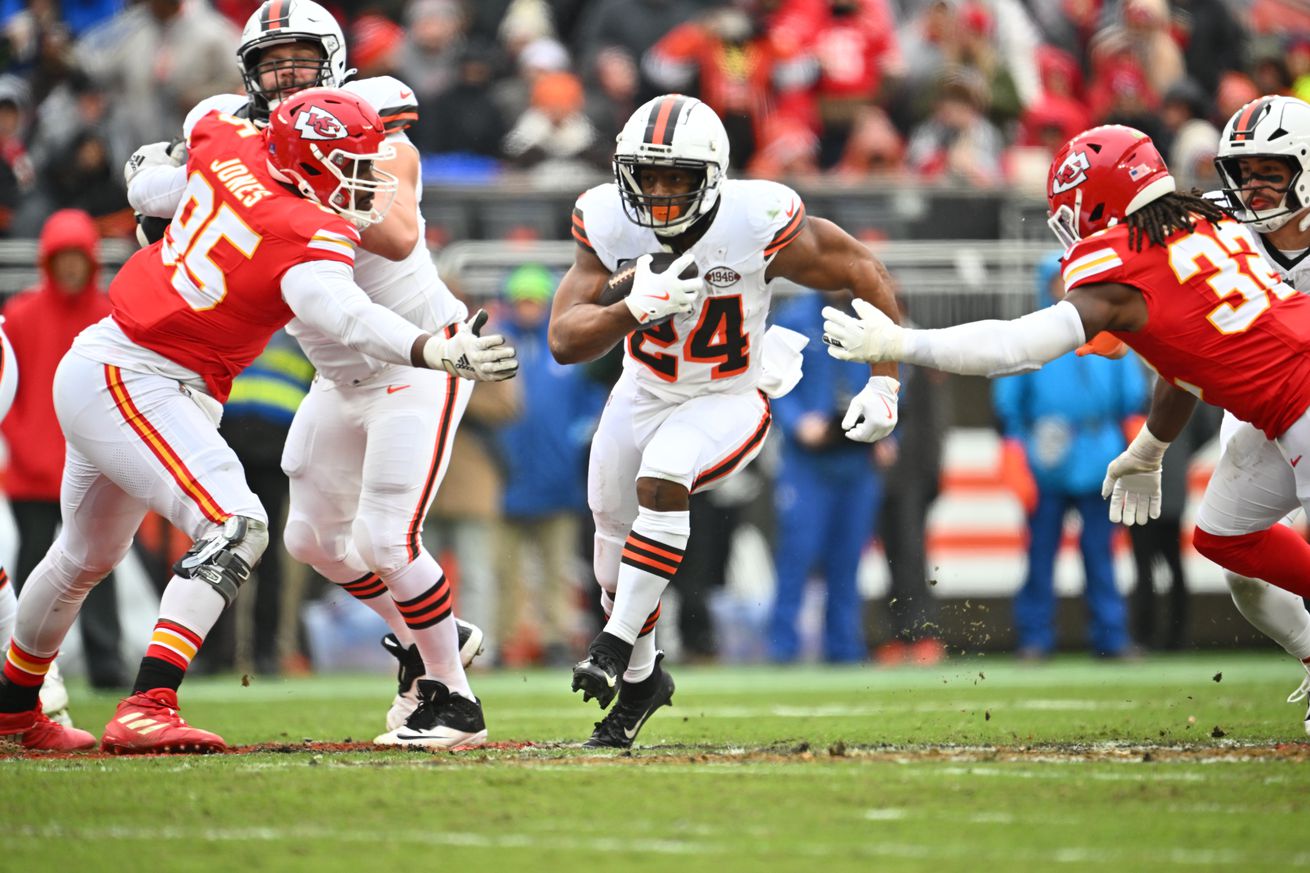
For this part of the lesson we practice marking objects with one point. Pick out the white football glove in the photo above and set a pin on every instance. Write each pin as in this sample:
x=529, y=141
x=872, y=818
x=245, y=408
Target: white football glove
x=871, y=337
x=155, y=154
x=872, y=413
x=470, y=356
x=656, y=296
x=1132, y=481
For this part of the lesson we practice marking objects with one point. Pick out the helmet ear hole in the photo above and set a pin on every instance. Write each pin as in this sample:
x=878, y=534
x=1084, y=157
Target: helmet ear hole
x=1095, y=214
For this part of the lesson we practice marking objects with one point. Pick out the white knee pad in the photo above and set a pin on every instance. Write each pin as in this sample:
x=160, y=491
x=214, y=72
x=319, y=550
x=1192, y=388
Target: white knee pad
x=383, y=551
x=606, y=554
x=307, y=546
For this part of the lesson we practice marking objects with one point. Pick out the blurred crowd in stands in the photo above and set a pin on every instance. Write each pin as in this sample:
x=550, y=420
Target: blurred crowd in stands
x=967, y=92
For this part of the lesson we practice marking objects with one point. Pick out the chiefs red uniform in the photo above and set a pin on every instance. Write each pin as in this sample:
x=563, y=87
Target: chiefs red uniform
x=207, y=296
x=1221, y=323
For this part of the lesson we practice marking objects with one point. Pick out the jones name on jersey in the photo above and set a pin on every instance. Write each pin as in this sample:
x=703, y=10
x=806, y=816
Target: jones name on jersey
x=409, y=287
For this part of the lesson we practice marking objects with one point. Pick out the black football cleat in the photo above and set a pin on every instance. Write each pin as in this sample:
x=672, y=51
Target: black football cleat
x=598, y=676
x=620, y=727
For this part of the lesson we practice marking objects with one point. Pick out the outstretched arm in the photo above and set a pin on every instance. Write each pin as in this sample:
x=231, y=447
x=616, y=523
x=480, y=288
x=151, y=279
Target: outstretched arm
x=826, y=258
x=993, y=347
x=323, y=294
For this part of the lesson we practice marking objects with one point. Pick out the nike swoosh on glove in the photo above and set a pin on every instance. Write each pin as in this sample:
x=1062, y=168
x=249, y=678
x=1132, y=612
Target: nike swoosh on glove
x=657, y=296
x=470, y=356
x=872, y=414
x=868, y=336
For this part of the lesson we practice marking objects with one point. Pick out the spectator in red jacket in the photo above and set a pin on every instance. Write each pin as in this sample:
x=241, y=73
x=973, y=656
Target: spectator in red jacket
x=41, y=323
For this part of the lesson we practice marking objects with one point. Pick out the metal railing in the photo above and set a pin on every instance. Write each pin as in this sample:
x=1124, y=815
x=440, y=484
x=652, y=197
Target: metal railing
x=18, y=268
x=943, y=282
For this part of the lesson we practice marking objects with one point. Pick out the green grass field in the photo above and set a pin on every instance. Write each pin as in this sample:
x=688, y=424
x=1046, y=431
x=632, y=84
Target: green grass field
x=978, y=765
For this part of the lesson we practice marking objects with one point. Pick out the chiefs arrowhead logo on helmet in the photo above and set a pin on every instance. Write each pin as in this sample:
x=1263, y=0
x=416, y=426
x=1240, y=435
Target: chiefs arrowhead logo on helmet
x=1072, y=173
x=317, y=123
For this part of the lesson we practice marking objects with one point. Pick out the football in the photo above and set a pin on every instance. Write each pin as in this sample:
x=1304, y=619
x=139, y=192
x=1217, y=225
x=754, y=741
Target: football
x=619, y=284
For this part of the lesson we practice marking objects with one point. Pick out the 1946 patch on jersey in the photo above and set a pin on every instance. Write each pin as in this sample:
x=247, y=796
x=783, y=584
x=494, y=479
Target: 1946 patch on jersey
x=722, y=277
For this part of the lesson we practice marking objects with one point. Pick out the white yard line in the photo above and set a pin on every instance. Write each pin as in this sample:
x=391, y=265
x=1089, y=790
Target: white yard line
x=299, y=834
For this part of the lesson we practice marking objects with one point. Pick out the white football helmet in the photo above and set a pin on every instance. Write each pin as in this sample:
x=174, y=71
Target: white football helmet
x=277, y=22
x=1270, y=127
x=671, y=131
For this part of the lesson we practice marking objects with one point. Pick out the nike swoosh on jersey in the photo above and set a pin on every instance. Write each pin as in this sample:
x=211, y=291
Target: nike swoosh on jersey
x=791, y=209
x=406, y=94
x=392, y=389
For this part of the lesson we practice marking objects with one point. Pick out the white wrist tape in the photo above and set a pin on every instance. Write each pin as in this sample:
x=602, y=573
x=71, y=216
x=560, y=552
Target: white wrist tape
x=998, y=348
x=1147, y=447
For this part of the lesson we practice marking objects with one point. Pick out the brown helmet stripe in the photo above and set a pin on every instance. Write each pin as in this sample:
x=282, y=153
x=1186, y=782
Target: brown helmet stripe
x=1244, y=129
x=663, y=119
x=275, y=14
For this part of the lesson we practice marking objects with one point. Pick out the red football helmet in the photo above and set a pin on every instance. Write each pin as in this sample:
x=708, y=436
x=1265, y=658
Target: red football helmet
x=325, y=142
x=1099, y=177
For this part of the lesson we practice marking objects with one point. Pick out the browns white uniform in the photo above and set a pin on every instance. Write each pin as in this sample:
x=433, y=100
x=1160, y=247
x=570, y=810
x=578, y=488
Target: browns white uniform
x=370, y=443
x=687, y=407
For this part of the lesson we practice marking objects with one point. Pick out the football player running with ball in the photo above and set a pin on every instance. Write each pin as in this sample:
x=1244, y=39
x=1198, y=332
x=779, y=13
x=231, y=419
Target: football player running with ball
x=370, y=444
x=266, y=230
x=691, y=408
x=1187, y=288
x=1263, y=158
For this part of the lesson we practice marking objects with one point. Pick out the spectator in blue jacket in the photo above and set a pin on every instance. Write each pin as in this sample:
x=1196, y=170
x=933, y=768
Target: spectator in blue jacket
x=545, y=452
x=827, y=494
x=1069, y=418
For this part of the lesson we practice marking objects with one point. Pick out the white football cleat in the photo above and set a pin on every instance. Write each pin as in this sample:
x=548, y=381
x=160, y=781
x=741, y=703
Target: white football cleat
x=411, y=669
x=54, y=697
x=442, y=721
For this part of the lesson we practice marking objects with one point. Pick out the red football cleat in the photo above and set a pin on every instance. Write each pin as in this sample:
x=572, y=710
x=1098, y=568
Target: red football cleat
x=37, y=733
x=149, y=723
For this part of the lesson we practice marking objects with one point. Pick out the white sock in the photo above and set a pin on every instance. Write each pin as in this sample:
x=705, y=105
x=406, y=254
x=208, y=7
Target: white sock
x=422, y=596
x=642, y=662
x=651, y=555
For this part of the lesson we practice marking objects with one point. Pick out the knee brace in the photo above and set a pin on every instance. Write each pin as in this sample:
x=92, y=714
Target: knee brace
x=222, y=559
x=382, y=547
